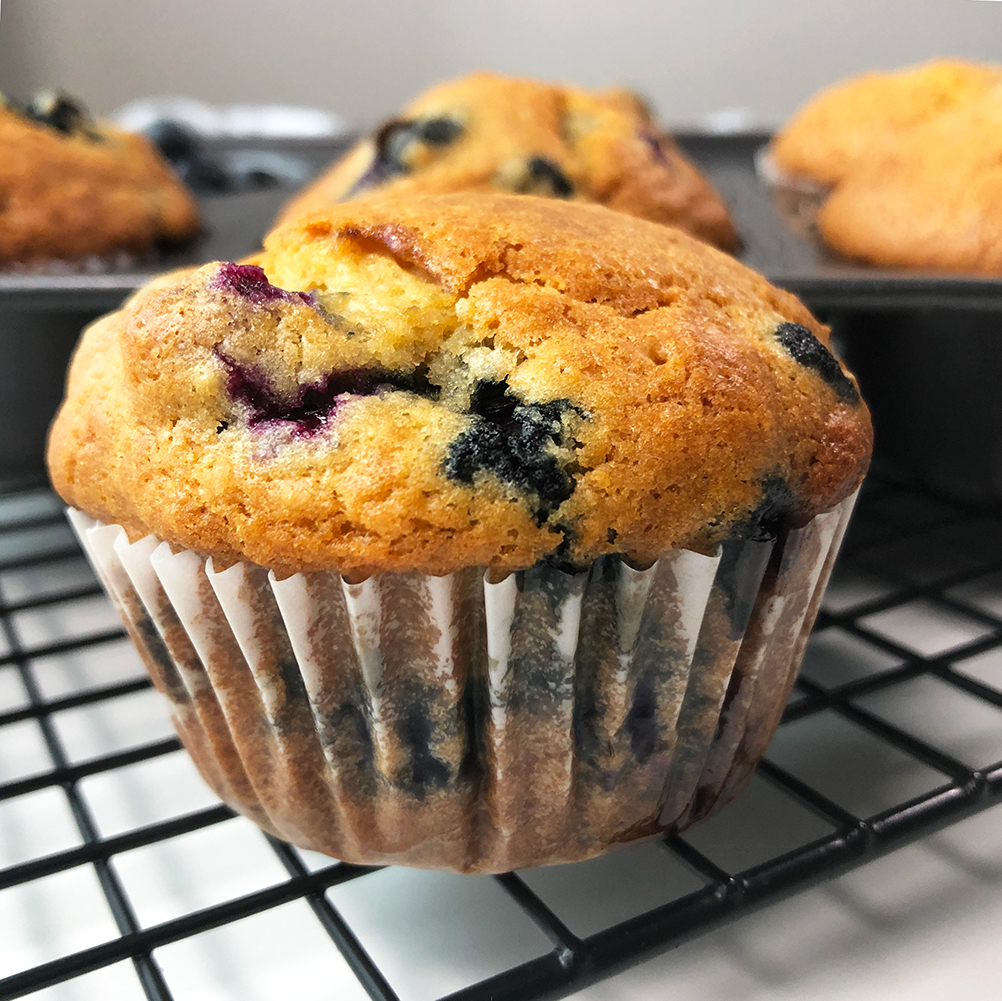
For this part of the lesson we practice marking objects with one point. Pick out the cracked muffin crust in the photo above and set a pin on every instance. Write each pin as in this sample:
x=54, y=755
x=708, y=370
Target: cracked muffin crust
x=71, y=187
x=487, y=132
x=457, y=381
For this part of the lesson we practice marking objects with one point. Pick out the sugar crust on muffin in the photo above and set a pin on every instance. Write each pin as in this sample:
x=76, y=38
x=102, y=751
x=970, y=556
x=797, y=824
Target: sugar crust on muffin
x=455, y=381
x=487, y=132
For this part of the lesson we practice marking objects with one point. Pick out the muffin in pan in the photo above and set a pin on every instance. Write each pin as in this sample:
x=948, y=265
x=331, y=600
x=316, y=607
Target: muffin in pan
x=848, y=125
x=73, y=188
x=467, y=531
x=487, y=132
x=933, y=202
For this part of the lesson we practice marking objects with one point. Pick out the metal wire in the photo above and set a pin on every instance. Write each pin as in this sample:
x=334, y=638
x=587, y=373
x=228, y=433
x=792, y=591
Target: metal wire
x=573, y=961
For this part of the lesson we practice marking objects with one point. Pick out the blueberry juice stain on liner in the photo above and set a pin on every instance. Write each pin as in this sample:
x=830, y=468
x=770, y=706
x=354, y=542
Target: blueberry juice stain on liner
x=457, y=723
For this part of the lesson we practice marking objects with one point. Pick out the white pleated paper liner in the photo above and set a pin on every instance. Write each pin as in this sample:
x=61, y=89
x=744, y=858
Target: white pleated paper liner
x=459, y=723
x=797, y=198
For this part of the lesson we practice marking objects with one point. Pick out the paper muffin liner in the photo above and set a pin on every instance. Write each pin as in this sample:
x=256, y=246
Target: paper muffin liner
x=797, y=198
x=462, y=723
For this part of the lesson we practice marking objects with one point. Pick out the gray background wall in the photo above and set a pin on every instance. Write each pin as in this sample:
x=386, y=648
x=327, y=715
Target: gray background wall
x=364, y=58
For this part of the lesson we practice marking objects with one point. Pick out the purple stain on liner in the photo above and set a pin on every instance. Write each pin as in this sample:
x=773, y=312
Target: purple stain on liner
x=250, y=282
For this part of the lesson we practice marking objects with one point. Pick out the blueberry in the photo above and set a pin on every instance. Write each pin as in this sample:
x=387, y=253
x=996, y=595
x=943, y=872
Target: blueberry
x=654, y=144
x=766, y=521
x=806, y=349
x=250, y=282
x=156, y=649
x=177, y=142
x=204, y=174
x=543, y=177
x=513, y=440
x=743, y=554
x=439, y=131
x=395, y=141
x=739, y=574
x=59, y=112
x=185, y=150
x=312, y=404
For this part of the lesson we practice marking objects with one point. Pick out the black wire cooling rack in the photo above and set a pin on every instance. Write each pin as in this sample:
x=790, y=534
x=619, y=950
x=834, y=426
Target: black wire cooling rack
x=859, y=768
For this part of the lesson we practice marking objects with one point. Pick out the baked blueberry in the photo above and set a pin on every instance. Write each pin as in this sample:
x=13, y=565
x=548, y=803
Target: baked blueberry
x=438, y=131
x=177, y=142
x=544, y=177
x=515, y=441
x=249, y=281
x=739, y=573
x=423, y=771
x=59, y=112
x=654, y=145
x=395, y=146
x=641, y=721
x=766, y=521
x=185, y=149
x=805, y=348
x=313, y=404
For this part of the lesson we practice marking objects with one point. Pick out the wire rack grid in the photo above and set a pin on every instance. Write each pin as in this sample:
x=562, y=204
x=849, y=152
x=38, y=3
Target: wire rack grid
x=126, y=878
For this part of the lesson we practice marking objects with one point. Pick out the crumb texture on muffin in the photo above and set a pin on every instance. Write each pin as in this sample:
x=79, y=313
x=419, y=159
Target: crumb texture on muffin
x=487, y=132
x=457, y=381
x=72, y=187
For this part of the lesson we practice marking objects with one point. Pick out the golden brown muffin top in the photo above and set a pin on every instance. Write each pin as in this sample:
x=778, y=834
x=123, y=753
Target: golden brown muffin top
x=846, y=126
x=459, y=380
x=70, y=187
x=933, y=201
x=487, y=132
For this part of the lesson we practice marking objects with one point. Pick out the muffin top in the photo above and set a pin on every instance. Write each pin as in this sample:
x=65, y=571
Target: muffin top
x=459, y=380
x=845, y=127
x=493, y=133
x=933, y=201
x=73, y=187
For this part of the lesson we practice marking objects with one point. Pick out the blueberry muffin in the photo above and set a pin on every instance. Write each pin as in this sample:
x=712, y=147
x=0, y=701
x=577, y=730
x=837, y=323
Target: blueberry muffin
x=493, y=133
x=72, y=187
x=493, y=525
x=933, y=201
x=848, y=125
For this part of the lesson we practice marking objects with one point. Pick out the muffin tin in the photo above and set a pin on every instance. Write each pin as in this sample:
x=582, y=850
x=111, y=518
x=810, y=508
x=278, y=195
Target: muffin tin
x=779, y=241
x=776, y=238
